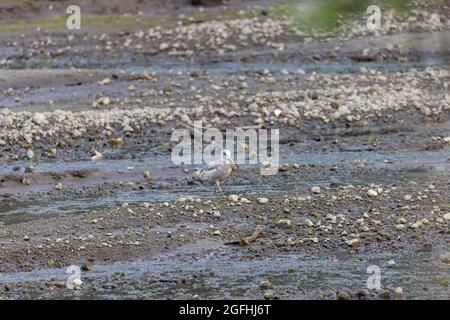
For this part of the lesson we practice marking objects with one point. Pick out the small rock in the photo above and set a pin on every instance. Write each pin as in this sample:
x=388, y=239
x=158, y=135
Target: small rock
x=104, y=81
x=233, y=198
x=385, y=294
x=269, y=295
x=163, y=46
x=416, y=225
x=30, y=154
x=97, y=156
x=343, y=296
x=401, y=221
x=103, y=101
x=265, y=284
x=87, y=266
x=115, y=141
x=372, y=193
x=77, y=284
x=196, y=74
x=363, y=294
x=353, y=243
x=148, y=175
x=168, y=88
x=315, y=190
x=263, y=200
x=284, y=223
x=389, y=264
x=398, y=292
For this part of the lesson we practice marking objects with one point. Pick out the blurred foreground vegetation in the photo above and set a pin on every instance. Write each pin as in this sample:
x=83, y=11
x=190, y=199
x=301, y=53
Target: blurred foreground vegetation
x=329, y=14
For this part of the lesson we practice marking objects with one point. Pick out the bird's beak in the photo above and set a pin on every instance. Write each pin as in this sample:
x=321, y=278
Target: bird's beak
x=234, y=164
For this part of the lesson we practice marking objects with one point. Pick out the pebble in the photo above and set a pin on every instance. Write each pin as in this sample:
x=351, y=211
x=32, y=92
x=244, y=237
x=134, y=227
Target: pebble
x=416, y=225
x=263, y=200
x=363, y=293
x=398, y=291
x=233, y=198
x=353, y=243
x=407, y=197
x=269, y=295
x=104, y=81
x=372, y=193
x=284, y=223
x=265, y=284
x=245, y=200
x=385, y=294
x=401, y=220
x=309, y=223
x=389, y=264
x=148, y=175
x=30, y=154
x=77, y=284
x=87, y=266
x=343, y=296
x=97, y=156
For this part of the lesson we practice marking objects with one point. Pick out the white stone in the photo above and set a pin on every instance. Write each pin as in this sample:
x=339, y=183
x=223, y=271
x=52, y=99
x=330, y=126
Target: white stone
x=315, y=189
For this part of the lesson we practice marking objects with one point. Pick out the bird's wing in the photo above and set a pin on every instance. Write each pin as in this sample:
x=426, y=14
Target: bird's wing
x=211, y=167
x=211, y=170
x=214, y=164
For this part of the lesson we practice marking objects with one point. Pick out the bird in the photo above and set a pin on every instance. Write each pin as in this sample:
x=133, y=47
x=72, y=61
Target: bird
x=218, y=171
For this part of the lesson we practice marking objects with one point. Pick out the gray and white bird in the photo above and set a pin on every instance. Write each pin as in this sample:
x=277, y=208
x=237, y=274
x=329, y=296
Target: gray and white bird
x=218, y=171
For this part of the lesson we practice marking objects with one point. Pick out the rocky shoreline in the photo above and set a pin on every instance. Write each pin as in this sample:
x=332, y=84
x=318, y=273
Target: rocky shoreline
x=86, y=177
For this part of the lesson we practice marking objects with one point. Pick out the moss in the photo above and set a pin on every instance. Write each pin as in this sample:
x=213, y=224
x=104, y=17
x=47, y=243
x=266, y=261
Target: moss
x=34, y=5
x=278, y=217
x=101, y=22
x=124, y=22
x=309, y=231
x=445, y=283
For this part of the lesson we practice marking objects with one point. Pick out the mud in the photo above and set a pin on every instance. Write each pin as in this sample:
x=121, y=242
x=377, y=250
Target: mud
x=356, y=115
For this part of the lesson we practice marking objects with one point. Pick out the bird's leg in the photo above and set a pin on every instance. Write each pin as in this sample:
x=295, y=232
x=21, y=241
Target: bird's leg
x=218, y=185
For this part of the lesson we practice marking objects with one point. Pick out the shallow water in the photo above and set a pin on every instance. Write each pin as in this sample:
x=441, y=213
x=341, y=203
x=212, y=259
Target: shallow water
x=217, y=271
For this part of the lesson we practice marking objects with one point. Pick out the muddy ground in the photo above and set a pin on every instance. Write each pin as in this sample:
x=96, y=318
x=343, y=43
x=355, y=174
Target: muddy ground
x=365, y=117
